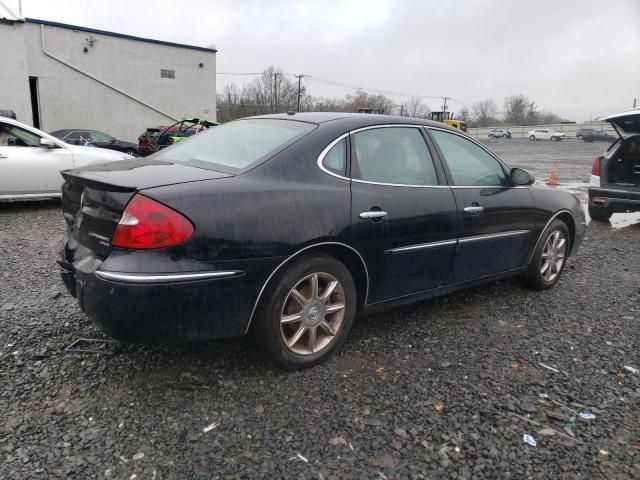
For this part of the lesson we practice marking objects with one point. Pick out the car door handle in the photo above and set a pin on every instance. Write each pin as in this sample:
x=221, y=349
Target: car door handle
x=474, y=209
x=373, y=214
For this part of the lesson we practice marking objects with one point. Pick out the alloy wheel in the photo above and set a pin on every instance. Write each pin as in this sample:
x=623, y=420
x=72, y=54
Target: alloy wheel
x=553, y=256
x=312, y=313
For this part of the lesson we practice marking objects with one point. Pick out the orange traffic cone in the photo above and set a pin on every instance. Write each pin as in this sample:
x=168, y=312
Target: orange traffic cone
x=553, y=177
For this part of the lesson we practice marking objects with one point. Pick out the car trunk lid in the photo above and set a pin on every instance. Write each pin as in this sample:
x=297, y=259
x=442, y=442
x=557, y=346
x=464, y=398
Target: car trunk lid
x=94, y=197
x=626, y=123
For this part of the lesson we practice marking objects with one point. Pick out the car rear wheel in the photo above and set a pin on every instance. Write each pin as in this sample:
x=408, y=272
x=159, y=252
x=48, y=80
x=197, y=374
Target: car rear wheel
x=532, y=137
x=549, y=257
x=132, y=152
x=600, y=214
x=307, y=312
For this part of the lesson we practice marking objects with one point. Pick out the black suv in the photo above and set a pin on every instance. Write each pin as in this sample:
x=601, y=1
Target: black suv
x=615, y=176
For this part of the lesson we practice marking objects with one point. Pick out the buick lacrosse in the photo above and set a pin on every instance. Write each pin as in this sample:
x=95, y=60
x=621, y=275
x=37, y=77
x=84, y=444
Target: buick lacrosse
x=287, y=226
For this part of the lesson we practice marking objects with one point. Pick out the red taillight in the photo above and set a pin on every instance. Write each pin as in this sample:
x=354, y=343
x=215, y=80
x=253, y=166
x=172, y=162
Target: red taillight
x=595, y=169
x=146, y=223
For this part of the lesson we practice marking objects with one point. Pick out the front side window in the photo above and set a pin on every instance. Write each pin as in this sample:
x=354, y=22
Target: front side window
x=396, y=155
x=78, y=138
x=335, y=159
x=236, y=145
x=100, y=137
x=469, y=164
x=13, y=136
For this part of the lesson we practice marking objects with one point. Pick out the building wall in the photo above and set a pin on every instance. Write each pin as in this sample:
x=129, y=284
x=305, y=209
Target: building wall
x=116, y=85
x=14, y=79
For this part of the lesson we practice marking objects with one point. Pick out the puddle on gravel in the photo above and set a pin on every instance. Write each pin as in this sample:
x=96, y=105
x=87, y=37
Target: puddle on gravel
x=621, y=220
x=617, y=220
x=580, y=189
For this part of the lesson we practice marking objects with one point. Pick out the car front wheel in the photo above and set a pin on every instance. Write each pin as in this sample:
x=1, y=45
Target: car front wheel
x=549, y=257
x=600, y=214
x=308, y=312
x=532, y=137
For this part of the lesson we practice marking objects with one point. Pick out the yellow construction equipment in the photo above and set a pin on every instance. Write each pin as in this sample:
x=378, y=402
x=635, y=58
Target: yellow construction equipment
x=447, y=118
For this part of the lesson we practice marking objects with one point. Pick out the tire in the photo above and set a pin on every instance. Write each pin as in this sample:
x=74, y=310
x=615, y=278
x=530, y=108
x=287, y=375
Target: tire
x=331, y=329
x=600, y=214
x=532, y=137
x=133, y=153
x=554, y=139
x=551, y=252
x=490, y=136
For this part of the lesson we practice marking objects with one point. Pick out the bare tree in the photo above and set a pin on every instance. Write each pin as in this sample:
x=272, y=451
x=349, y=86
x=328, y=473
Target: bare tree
x=362, y=99
x=414, y=107
x=516, y=109
x=464, y=114
x=485, y=112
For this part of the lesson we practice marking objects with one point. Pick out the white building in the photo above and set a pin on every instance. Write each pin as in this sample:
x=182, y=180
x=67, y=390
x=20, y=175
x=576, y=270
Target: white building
x=56, y=76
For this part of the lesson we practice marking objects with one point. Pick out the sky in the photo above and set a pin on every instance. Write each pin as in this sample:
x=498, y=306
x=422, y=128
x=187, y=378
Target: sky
x=577, y=58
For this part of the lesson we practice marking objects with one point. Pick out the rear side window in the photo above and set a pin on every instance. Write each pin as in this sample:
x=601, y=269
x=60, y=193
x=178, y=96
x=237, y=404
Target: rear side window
x=396, y=155
x=335, y=160
x=469, y=164
x=237, y=145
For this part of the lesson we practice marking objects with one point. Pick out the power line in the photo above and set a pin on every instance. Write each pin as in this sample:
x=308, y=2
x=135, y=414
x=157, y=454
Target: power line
x=356, y=87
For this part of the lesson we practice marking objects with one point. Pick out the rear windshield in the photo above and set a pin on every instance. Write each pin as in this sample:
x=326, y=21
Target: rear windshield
x=236, y=146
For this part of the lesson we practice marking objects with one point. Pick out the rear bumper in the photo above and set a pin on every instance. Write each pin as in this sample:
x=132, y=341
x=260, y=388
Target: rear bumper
x=162, y=307
x=616, y=200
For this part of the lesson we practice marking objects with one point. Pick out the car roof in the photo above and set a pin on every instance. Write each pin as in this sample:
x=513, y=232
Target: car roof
x=353, y=120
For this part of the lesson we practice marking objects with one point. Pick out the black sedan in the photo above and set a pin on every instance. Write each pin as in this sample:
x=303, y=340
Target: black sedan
x=287, y=226
x=598, y=136
x=95, y=138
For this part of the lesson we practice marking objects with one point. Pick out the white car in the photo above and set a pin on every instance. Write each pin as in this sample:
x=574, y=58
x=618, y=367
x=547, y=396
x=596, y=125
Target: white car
x=546, y=134
x=31, y=161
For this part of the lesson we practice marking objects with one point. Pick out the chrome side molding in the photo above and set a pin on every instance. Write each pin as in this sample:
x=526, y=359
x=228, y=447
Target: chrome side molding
x=491, y=236
x=422, y=246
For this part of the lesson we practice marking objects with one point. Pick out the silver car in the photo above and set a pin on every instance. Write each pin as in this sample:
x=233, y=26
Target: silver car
x=31, y=161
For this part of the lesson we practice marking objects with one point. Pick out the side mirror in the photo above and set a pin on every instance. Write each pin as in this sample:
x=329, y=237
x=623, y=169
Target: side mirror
x=113, y=140
x=47, y=143
x=521, y=177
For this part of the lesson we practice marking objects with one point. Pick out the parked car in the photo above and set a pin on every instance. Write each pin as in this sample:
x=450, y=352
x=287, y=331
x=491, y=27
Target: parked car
x=499, y=133
x=615, y=175
x=31, y=160
x=155, y=139
x=598, y=136
x=545, y=134
x=581, y=131
x=287, y=225
x=97, y=139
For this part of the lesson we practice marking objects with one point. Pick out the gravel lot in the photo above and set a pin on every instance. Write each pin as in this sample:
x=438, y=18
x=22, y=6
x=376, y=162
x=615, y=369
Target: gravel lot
x=444, y=388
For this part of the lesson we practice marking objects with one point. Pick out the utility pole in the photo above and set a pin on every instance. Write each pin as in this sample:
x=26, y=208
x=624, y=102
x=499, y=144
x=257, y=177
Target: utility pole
x=229, y=92
x=634, y=102
x=444, y=105
x=271, y=96
x=299, y=90
x=275, y=90
x=401, y=110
